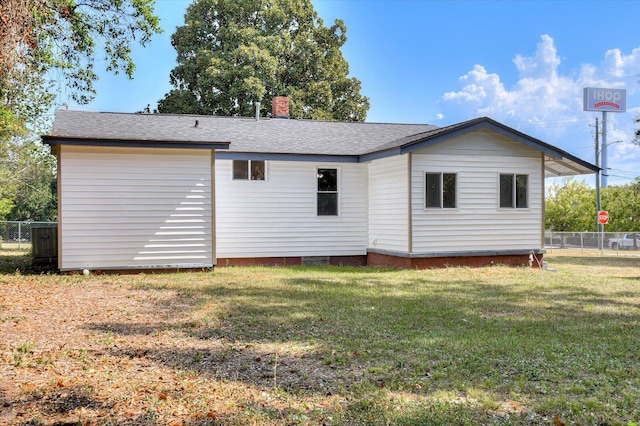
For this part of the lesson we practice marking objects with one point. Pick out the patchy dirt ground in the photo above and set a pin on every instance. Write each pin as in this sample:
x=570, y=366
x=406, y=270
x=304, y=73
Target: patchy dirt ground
x=96, y=350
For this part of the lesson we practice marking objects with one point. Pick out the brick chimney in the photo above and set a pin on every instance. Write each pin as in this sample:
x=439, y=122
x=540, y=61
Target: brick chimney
x=280, y=107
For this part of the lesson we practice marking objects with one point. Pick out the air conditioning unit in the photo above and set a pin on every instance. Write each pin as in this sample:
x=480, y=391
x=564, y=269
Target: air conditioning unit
x=44, y=245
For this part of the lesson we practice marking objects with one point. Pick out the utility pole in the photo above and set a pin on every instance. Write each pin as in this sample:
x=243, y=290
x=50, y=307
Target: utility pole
x=598, y=206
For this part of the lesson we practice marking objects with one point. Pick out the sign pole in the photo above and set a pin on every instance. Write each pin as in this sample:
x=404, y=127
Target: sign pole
x=598, y=206
x=600, y=99
x=603, y=219
x=605, y=157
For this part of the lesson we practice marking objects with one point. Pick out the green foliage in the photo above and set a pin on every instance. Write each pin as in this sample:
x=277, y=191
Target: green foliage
x=570, y=206
x=8, y=186
x=623, y=205
x=113, y=24
x=233, y=53
x=45, y=44
x=7, y=201
x=10, y=125
x=28, y=176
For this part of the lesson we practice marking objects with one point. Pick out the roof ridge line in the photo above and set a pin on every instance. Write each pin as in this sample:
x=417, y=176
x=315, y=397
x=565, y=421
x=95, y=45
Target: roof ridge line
x=250, y=118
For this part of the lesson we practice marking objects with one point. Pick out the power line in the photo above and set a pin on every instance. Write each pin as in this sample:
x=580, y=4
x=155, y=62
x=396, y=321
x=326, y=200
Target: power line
x=618, y=176
x=626, y=172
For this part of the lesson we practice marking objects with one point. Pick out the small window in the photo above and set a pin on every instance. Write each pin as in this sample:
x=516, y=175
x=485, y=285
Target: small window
x=327, y=192
x=514, y=191
x=248, y=170
x=440, y=191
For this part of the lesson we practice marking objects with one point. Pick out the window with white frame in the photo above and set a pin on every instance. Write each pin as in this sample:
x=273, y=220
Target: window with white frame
x=514, y=191
x=441, y=189
x=248, y=170
x=327, y=192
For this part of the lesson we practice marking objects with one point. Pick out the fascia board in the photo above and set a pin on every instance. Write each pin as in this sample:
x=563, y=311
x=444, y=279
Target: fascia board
x=53, y=141
x=324, y=158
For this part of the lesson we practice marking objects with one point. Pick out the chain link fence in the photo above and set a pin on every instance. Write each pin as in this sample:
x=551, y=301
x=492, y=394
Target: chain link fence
x=604, y=241
x=17, y=235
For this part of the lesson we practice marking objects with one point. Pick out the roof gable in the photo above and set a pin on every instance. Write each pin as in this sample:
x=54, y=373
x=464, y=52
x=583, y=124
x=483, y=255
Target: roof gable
x=422, y=140
x=558, y=162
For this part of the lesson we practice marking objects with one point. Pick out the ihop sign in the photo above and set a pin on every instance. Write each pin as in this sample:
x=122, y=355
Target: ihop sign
x=605, y=99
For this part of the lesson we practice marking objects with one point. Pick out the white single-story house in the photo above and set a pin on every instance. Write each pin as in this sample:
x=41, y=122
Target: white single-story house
x=150, y=192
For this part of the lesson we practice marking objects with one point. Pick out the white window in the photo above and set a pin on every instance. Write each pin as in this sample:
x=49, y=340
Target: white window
x=441, y=190
x=327, y=192
x=248, y=170
x=514, y=191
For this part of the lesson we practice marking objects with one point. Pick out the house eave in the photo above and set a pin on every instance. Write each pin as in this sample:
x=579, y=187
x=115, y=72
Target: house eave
x=274, y=156
x=120, y=143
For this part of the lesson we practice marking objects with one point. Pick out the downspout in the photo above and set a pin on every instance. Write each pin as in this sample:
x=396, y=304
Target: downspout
x=214, y=260
x=58, y=154
x=542, y=213
x=410, y=203
x=367, y=206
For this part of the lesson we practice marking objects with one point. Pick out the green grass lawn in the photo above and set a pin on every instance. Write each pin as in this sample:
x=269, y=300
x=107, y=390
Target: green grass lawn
x=449, y=346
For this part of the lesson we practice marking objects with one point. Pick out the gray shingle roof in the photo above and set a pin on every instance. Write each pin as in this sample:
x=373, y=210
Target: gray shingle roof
x=360, y=141
x=245, y=134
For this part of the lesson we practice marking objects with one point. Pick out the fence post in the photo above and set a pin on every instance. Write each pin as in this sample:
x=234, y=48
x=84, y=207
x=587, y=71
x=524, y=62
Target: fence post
x=19, y=236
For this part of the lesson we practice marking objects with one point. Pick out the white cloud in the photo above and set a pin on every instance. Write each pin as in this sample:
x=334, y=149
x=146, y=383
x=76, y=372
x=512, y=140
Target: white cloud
x=621, y=67
x=549, y=105
x=544, y=63
x=540, y=95
x=480, y=87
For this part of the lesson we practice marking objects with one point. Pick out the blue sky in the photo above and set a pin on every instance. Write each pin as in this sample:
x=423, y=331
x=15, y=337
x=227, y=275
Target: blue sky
x=523, y=63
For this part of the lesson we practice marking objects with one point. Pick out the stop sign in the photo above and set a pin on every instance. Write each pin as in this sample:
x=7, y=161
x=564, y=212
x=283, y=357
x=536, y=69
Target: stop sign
x=603, y=217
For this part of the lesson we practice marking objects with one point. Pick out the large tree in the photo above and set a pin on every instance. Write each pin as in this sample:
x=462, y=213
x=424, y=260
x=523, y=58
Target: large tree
x=570, y=206
x=48, y=46
x=27, y=173
x=623, y=204
x=233, y=53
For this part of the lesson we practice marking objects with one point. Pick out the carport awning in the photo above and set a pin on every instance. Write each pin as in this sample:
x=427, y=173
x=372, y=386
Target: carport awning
x=567, y=166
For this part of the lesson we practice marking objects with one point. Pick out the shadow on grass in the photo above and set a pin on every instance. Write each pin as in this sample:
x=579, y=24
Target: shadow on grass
x=19, y=260
x=369, y=335
x=362, y=334
x=61, y=401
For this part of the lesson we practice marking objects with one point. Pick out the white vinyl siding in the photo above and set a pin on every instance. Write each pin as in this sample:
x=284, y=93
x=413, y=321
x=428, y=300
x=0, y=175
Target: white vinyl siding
x=478, y=223
x=278, y=217
x=389, y=204
x=135, y=208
